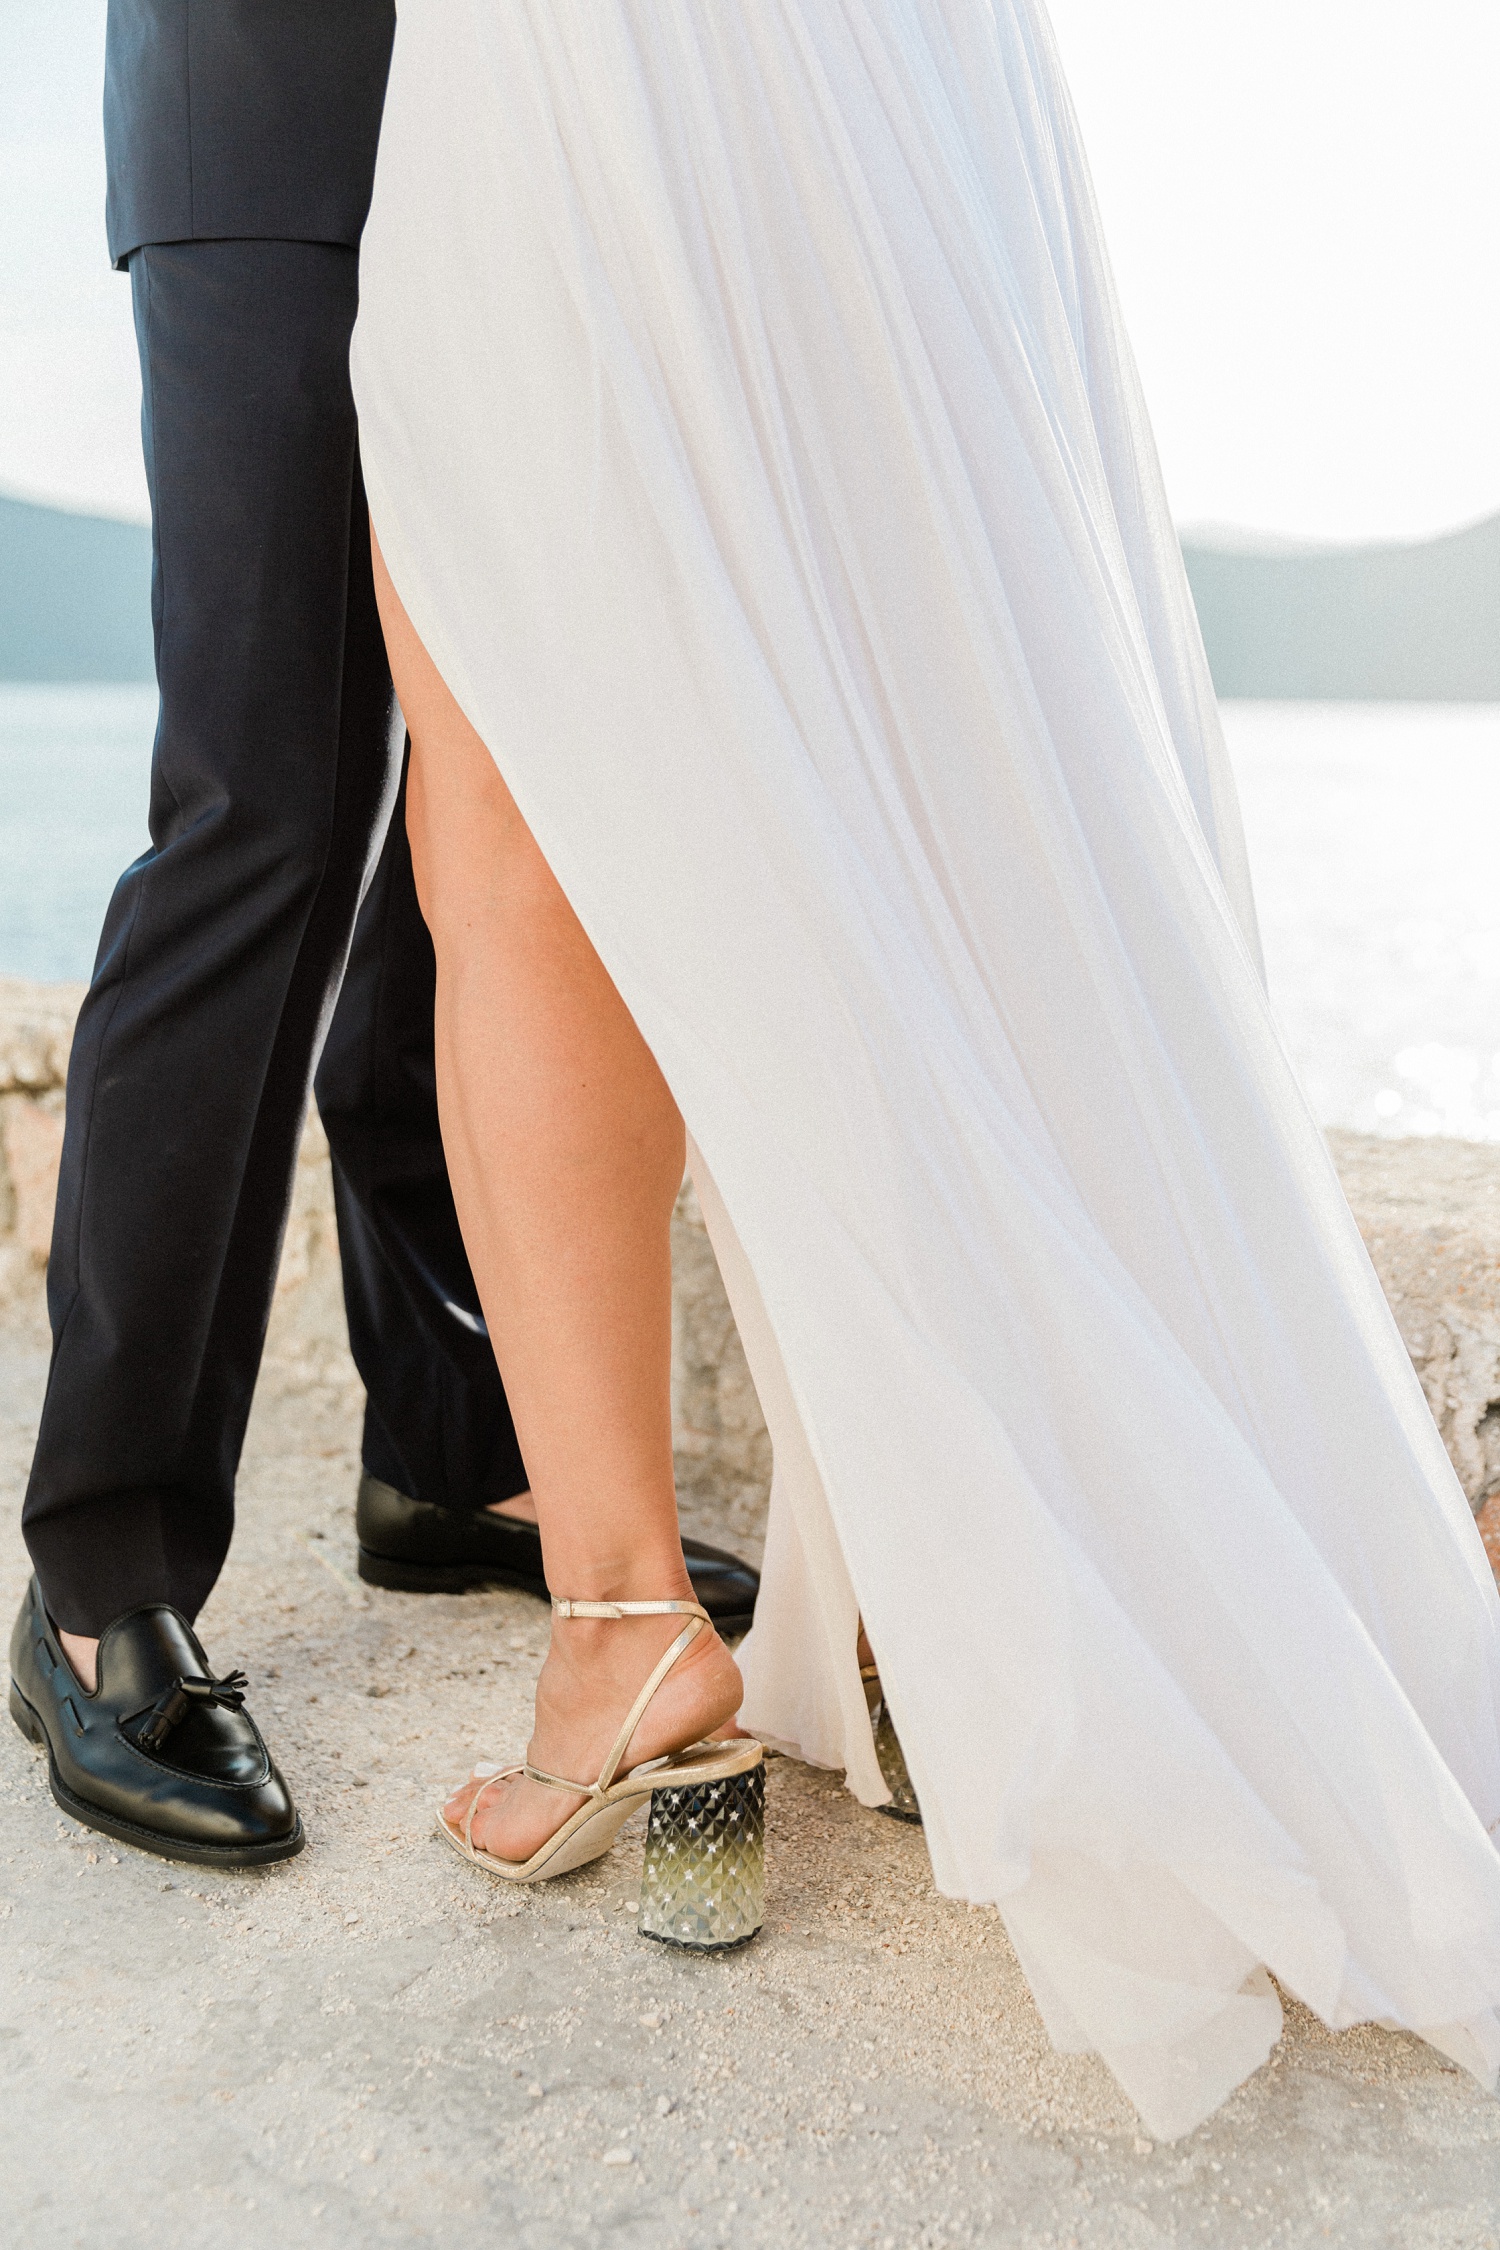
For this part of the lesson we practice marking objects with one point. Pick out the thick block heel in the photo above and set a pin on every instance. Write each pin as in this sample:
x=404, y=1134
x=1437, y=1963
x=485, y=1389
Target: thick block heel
x=704, y=1879
x=25, y=1718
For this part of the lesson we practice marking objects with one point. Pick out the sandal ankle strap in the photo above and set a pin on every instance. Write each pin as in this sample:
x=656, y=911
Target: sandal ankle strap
x=561, y=1608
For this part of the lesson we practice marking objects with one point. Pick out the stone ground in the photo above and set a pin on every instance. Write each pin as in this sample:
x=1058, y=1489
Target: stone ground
x=374, y=2045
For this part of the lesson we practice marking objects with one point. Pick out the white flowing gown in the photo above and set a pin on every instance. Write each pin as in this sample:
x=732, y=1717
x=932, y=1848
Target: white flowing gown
x=751, y=435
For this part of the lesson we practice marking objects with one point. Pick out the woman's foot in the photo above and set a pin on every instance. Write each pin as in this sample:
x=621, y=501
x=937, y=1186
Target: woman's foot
x=594, y=1671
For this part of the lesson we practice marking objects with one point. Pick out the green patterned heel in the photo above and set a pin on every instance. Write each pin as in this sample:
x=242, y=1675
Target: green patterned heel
x=888, y=1752
x=703, y=1881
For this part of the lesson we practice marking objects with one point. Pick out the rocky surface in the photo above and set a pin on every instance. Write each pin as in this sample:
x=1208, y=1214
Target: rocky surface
x=722, y=1446
x=36, y=1032
x=1429, y=1211
x=375, y=2045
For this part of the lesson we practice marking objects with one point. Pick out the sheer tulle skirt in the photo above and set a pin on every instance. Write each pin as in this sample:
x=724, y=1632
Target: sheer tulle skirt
x=752, y=437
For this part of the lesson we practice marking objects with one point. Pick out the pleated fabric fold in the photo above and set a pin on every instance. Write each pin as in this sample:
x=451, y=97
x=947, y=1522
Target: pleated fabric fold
x=752, y=437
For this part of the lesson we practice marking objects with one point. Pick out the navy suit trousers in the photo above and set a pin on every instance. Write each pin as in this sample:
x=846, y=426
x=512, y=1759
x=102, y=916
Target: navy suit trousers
x=276, y=766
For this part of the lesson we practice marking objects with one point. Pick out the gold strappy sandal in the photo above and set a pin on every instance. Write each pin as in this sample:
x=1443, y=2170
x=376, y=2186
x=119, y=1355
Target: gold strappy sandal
x=703, y=1880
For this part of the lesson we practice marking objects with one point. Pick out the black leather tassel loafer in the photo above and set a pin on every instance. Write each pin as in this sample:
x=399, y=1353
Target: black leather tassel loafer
x=162, y=1755
x=418, y=1547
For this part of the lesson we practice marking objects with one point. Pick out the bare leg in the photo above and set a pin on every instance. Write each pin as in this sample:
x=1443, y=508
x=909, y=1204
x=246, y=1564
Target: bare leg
x=566, y=1152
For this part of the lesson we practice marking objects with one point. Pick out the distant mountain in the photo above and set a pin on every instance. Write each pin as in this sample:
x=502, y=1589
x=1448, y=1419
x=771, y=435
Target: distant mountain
x=1414, y=623
x=75, y=596
x=1409, y=623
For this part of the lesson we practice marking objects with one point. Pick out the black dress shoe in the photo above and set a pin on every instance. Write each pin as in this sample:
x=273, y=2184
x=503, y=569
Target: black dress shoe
x=161, y=1755
x=418, y=1547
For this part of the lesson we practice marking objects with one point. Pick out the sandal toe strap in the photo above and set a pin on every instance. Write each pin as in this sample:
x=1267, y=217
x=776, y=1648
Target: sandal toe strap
x=487, y=1781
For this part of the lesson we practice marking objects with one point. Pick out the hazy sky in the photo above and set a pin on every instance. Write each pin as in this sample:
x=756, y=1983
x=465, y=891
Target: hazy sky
x=1302, y=199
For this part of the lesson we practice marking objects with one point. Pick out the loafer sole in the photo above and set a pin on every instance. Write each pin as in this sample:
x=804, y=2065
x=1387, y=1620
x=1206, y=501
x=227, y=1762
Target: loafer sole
x=400, y=1577
x=146, y=1839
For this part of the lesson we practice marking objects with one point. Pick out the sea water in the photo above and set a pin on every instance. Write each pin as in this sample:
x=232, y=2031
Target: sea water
x=1374, y=837
x=75, y=766
x=1374, y=834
